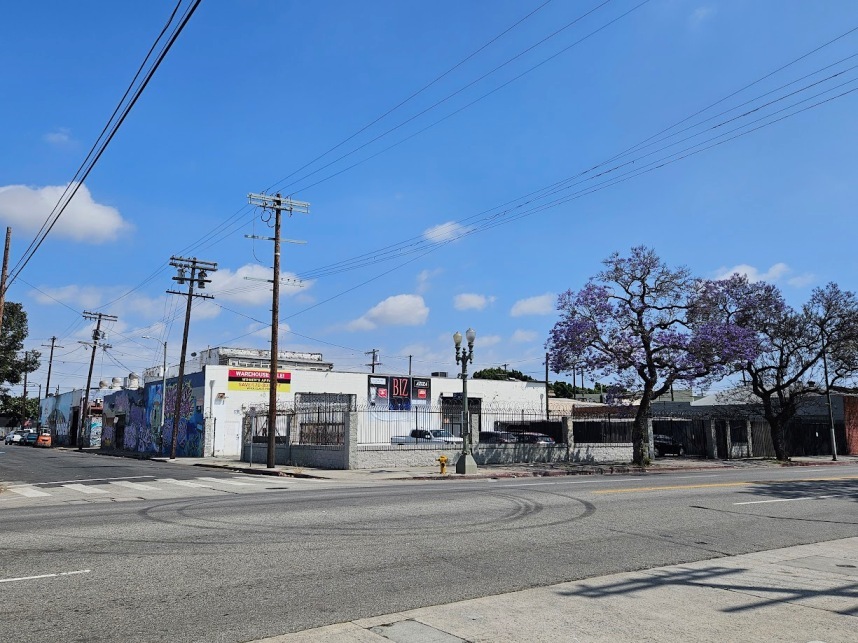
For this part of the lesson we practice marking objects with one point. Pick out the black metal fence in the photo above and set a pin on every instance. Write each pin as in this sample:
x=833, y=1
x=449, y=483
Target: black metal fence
x=381, y=429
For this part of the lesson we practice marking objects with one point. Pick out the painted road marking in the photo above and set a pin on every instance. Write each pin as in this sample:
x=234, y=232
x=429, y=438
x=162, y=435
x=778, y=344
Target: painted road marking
x=86, y=480
x=57, y=575
x=29, y=492
x=761, y=502
x=183, y=483
x=83, y=488
x=232, y=482
x=134, y=485
x=721, y=484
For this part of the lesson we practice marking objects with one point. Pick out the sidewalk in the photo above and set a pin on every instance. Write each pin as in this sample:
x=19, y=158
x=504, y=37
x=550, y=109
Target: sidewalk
x=807, y=593
x=662, y=465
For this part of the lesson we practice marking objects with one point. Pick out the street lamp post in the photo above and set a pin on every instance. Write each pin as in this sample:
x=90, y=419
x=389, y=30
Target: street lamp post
x=466, y=463
x=163, y=392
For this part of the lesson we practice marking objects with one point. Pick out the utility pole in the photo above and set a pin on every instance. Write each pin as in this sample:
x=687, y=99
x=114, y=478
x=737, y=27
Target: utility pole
x=547, y=408
x=375, y=362
x=4, y=273
x=194, y=272
x=409, y=365
x=276, y=204
x=24, y=397
x=97, y=334
x=50, y=364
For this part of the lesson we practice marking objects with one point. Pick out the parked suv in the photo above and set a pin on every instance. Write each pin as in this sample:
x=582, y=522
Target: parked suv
x=666, y=445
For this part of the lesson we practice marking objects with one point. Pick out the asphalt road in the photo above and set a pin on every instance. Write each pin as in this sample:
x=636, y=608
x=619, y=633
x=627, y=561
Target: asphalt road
x=214, y=564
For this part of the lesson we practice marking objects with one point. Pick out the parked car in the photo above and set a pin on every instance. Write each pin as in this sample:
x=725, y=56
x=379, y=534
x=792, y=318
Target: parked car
x=30, y=438
x=667, y=445
x=44, y=439
x=426, y=436
x=14, y=437
x=535, y=438
x=497, y=437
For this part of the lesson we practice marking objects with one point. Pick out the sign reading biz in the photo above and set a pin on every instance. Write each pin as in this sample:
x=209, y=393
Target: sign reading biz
x=257, y=379
x=399, y=393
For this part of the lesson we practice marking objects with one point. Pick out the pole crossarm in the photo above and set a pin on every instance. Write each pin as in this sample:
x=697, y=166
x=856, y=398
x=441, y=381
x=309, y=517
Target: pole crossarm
x=277, y=205
x=193, y=272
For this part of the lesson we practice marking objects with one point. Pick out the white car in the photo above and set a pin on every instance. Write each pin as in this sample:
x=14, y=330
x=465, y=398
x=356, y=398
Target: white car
x=14, y=437
x=426, y=436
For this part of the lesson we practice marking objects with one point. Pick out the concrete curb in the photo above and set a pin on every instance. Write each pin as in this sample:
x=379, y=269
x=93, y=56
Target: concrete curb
x=260, y=472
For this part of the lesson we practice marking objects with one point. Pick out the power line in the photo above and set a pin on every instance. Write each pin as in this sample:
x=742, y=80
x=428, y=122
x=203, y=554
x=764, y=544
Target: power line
x=82, y=174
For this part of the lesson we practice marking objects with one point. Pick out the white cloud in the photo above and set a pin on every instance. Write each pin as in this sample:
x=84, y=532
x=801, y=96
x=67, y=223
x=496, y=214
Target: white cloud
x=84, y=220
x=423, y=279
x=539, y=305
x=488, y=340
x=777, y=272
x=231, y=286
x=801, y=281
x=700, y=15
x=59, y=137
x=524, y=336
x=398, y=310
x=444, y=232
x=76, y=296
x=471, y=301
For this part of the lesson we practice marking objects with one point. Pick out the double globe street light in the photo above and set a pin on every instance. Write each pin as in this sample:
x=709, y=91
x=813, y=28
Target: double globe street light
x=466, y=463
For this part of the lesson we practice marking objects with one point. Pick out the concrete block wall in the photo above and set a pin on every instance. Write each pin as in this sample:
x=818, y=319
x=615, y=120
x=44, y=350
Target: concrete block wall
x=600, y=453
x=513, y=453
x=368, y=458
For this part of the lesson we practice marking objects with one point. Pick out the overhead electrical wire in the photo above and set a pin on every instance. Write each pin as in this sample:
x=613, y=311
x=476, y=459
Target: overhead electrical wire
x=232, y=223
x=99, y=148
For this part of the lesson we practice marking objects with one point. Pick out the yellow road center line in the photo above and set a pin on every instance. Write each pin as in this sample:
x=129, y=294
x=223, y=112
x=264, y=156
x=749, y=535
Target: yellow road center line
x=718, y=484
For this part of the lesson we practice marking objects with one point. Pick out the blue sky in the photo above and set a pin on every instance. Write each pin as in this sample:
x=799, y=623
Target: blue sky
x=254, y=90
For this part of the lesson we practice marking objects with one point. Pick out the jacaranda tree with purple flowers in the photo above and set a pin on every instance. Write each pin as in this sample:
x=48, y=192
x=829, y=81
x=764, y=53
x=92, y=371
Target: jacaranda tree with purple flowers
x=793, y=346
x=641, y=324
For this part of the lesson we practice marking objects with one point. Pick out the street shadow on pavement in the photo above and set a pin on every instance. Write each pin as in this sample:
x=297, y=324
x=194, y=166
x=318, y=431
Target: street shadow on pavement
x=804, y=489
x=722, y=579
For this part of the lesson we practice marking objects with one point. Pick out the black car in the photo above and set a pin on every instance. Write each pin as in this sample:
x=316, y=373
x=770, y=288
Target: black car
x=497, y=437
x=666, y=445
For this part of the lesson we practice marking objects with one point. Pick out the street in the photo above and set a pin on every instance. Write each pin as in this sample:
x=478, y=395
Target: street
x=228, y=557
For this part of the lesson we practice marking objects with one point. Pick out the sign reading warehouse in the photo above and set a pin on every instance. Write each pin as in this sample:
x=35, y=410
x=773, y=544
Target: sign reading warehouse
x=257, y=379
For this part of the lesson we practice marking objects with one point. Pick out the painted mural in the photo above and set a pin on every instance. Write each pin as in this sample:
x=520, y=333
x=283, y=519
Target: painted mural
x=56, y=415
x=190, y=439
x=125, y=419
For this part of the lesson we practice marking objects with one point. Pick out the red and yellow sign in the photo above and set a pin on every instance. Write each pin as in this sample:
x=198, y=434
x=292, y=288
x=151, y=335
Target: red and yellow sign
x=257, y=379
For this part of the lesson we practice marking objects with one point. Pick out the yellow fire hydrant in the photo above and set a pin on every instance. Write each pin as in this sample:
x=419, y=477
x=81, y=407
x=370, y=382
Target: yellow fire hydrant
x=443, y=462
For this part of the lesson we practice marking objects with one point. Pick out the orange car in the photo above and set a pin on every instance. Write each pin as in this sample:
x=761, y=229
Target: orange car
x=44, y=440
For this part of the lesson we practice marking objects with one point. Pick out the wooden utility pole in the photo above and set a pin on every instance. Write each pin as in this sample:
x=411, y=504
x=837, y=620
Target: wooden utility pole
x=97, y=334
x=194, y=272
x=5, y=273
x=276, y=204
x=374, y=362
x=50, y=364
x=24, y=396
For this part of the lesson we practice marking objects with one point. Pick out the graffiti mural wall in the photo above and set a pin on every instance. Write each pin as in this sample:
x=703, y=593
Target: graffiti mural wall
x=125, y=423
x=56, y=415
x=191, y=435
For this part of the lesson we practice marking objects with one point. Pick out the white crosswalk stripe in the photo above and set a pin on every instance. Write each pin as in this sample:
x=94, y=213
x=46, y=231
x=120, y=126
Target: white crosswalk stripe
x=119, y=489
x=229, y=482
x=28, y=492
x=83, y=488
x=182, y=483
x=134, y=485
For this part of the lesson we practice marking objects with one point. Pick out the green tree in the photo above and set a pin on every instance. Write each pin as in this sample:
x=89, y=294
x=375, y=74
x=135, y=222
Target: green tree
x=13, y=361
x=502, y=374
